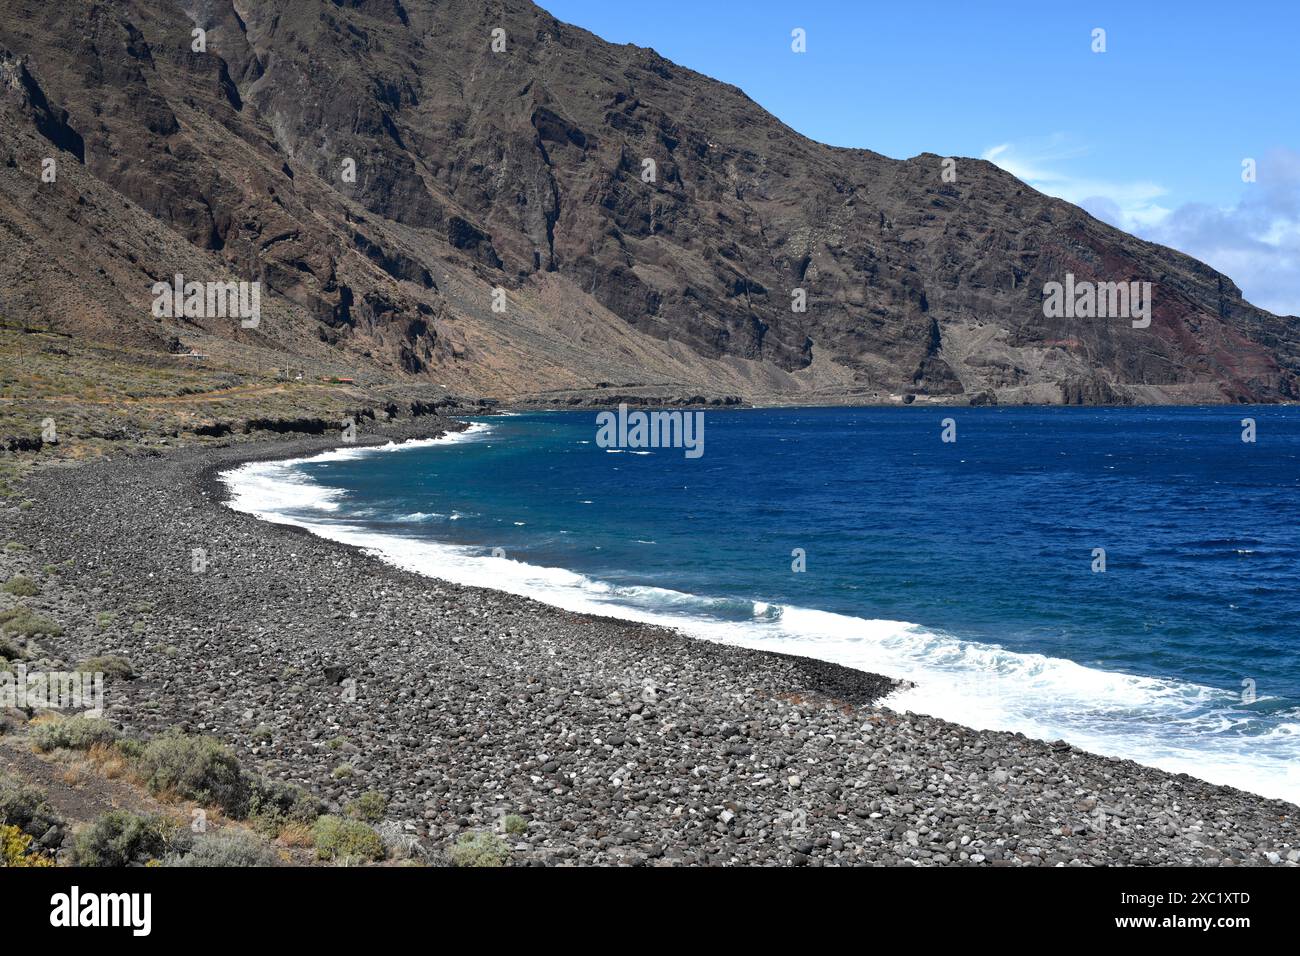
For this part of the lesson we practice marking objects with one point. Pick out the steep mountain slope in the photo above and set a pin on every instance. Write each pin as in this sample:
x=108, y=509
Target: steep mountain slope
x=499, y=236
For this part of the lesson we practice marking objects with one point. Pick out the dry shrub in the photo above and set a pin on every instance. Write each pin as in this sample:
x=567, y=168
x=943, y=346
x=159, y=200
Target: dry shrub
x=297, y=835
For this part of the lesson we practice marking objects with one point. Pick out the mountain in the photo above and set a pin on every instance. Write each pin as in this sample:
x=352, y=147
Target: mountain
x=517, y=178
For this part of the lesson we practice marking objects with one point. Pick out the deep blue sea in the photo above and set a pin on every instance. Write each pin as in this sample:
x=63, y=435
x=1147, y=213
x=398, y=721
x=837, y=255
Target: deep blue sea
x=968, y=567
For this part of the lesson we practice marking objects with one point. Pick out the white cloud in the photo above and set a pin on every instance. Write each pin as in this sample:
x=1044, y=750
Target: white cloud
x=1127, y=205
x=1255, y=242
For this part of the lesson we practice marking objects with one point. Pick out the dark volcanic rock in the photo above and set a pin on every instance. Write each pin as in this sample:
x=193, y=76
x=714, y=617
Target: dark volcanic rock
x=374, y=164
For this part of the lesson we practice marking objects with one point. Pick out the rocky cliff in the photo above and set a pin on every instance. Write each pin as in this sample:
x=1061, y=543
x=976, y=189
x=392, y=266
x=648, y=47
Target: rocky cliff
x=557, y=218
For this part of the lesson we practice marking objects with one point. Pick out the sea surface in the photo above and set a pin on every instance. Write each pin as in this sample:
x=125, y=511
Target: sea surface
x=969, y=567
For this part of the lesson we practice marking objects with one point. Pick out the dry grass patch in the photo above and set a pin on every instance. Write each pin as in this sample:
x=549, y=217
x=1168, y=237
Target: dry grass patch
x=108, y=760
x=298, y=835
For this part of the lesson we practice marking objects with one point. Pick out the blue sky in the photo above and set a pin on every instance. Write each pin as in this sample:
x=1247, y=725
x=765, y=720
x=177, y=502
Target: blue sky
x=1149, y=135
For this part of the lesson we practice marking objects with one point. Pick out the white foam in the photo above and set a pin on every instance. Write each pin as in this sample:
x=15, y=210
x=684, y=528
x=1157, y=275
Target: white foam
x=1172, y=725
x=268, y=489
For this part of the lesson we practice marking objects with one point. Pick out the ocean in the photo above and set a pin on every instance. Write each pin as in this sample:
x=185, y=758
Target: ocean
x=1122, y=578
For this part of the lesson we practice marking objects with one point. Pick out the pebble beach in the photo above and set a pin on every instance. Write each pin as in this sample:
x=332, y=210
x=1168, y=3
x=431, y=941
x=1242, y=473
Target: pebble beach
x=619, y=743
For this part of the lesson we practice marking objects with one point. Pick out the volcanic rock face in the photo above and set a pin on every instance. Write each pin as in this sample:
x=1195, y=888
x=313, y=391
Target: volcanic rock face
x=552, y=215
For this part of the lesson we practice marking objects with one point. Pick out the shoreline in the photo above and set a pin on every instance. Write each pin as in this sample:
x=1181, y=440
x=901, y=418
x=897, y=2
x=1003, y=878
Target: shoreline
x=1030, y=690
x=472, y=701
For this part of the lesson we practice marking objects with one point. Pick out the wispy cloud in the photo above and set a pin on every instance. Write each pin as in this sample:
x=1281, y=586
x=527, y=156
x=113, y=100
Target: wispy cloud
x=1256, y=242
x=1128, y=204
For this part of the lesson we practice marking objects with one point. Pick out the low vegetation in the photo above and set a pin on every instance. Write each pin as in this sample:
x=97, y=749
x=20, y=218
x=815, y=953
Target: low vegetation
x=176, y=766
x=123, y=838
x=23, y=806
x=479, y=848
x=70, y=733
x=201, y=769
x=369, y=807
x=24, y=622
x=112, y=666
x=226, y=848
x=15, y=849
x=21, y=586
x=346, y=841
x=283, y=810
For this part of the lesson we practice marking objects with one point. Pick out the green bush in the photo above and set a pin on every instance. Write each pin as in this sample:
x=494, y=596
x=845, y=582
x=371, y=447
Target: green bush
x=112, y=666
x=369, y=807
x=24, y=807
x=515, y=824
x=71, y=733
x=274, y=805
x=120, y=838
x=227, y=848
x=479, y=848
x=25, y=622
x=201, y=769
x=20, y=586
x=346, y=840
